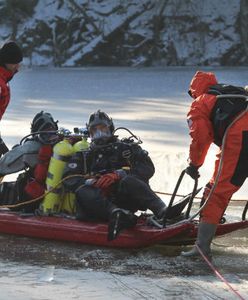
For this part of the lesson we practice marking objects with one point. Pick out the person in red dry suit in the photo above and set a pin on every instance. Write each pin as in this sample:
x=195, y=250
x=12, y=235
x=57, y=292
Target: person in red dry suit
x=208, y=118
x=10, y=58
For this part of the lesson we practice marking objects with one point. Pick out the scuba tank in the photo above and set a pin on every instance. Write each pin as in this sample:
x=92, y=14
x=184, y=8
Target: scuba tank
x=62, y=152
x=68, y=199
x=81, y=145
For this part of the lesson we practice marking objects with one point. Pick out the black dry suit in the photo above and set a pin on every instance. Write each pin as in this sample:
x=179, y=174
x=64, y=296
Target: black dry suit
x=131, y=192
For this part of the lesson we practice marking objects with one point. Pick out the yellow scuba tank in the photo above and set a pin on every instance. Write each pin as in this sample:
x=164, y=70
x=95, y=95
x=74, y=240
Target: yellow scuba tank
x=81, y=145
x=68, y=202
x=62, y=151
x=68, y=205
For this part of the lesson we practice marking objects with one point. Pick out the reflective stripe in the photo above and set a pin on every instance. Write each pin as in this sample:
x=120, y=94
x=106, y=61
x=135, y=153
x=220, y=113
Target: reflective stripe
x=53, y=190
x=232, y=96
x=49, y=175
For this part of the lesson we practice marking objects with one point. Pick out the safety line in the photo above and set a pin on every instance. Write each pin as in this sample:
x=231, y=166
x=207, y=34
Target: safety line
x=217, y=273
x=196, y=197
x=42, y=196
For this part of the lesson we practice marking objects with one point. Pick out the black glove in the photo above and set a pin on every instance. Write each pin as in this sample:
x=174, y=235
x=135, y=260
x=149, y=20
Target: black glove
x=192, y=171
x=3, y=148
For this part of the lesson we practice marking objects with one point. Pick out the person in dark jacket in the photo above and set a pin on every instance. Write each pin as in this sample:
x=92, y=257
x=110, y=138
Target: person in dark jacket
x=10, y=58
x=118, y=184
x=32, y=157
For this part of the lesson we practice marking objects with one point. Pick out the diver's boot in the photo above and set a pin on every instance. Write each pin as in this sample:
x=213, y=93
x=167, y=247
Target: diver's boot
x=120, y=219
x=158, y=207
x=8, y=193
x=205, y=236
x=161, y=211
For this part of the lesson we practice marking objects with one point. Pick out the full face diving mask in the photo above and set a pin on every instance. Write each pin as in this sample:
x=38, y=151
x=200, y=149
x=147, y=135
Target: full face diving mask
x=99, y=133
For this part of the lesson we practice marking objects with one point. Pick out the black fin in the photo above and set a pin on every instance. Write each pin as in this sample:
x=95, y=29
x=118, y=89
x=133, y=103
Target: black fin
x=176, y=209
x=120, y=219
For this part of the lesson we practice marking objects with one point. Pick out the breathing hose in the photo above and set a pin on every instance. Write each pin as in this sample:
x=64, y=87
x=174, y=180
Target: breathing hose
x=42, y=196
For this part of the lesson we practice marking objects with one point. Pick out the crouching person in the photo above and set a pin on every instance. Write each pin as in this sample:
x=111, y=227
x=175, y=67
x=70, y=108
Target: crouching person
x=217, y=111
x=33, y=158
x=119, y=172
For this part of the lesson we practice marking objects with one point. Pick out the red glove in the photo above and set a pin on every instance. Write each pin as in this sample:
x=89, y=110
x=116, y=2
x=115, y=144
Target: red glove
x=106, y=180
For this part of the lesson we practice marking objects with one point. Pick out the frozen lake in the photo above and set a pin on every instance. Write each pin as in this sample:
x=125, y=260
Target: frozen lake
x=153, y=103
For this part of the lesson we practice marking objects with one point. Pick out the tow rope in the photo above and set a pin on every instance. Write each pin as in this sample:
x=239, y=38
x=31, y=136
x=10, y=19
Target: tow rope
x=217, y=273
x=196, y=197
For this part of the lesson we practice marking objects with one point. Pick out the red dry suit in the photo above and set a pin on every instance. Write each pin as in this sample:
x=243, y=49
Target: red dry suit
x=235, y=162
x=37, y=185
x=5, y=77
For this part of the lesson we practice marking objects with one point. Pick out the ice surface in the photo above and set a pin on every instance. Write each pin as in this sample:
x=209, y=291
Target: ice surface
x=151, y=102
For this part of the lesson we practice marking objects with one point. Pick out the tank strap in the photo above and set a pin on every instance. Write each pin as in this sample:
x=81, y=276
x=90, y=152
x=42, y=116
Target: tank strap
x=49, y=175
x=57, y=190
x=61, y=157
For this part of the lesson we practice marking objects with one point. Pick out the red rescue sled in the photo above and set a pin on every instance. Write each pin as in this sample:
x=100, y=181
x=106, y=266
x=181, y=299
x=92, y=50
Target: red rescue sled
x=190, y=237
x=66, y=229
x=146, y=233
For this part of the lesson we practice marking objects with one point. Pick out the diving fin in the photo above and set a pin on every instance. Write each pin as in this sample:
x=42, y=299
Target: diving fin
x=176, y=209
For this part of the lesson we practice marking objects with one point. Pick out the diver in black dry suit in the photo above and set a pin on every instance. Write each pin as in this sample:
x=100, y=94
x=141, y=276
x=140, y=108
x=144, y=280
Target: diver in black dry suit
x=120, y=171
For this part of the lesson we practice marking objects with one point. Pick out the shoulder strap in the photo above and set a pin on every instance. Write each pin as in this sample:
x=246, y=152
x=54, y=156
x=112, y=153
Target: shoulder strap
x=232, y=96
x=226, y=89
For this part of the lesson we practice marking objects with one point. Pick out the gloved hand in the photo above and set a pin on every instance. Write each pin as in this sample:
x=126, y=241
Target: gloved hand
x=106, y=180
x=192, y=171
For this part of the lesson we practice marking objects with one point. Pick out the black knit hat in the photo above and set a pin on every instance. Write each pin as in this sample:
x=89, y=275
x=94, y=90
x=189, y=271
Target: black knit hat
x=10, y=53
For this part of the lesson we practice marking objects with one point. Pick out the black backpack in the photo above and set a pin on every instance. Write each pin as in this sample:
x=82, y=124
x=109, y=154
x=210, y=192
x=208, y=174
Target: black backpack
x=231, y=100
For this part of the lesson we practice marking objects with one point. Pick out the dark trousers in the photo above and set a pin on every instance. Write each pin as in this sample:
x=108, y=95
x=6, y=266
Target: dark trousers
x=130, y=193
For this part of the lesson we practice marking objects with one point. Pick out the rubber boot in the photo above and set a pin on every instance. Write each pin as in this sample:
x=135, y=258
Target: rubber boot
x=205, y=236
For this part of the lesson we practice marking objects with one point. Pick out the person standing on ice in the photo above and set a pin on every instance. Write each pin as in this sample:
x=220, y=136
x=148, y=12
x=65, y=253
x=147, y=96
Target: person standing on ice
x=214, y=108
x=10, y=58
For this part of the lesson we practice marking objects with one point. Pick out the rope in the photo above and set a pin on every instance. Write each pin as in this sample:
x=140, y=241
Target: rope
x=217, y=273
x=196, y=197
x=42, y=196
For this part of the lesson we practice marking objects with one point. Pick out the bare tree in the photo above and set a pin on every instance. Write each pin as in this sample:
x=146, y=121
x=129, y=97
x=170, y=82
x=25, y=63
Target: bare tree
x=13, y=12
x=244, y=25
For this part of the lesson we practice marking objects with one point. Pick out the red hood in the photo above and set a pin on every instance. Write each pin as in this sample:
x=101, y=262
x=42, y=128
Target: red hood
x=201, y=82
